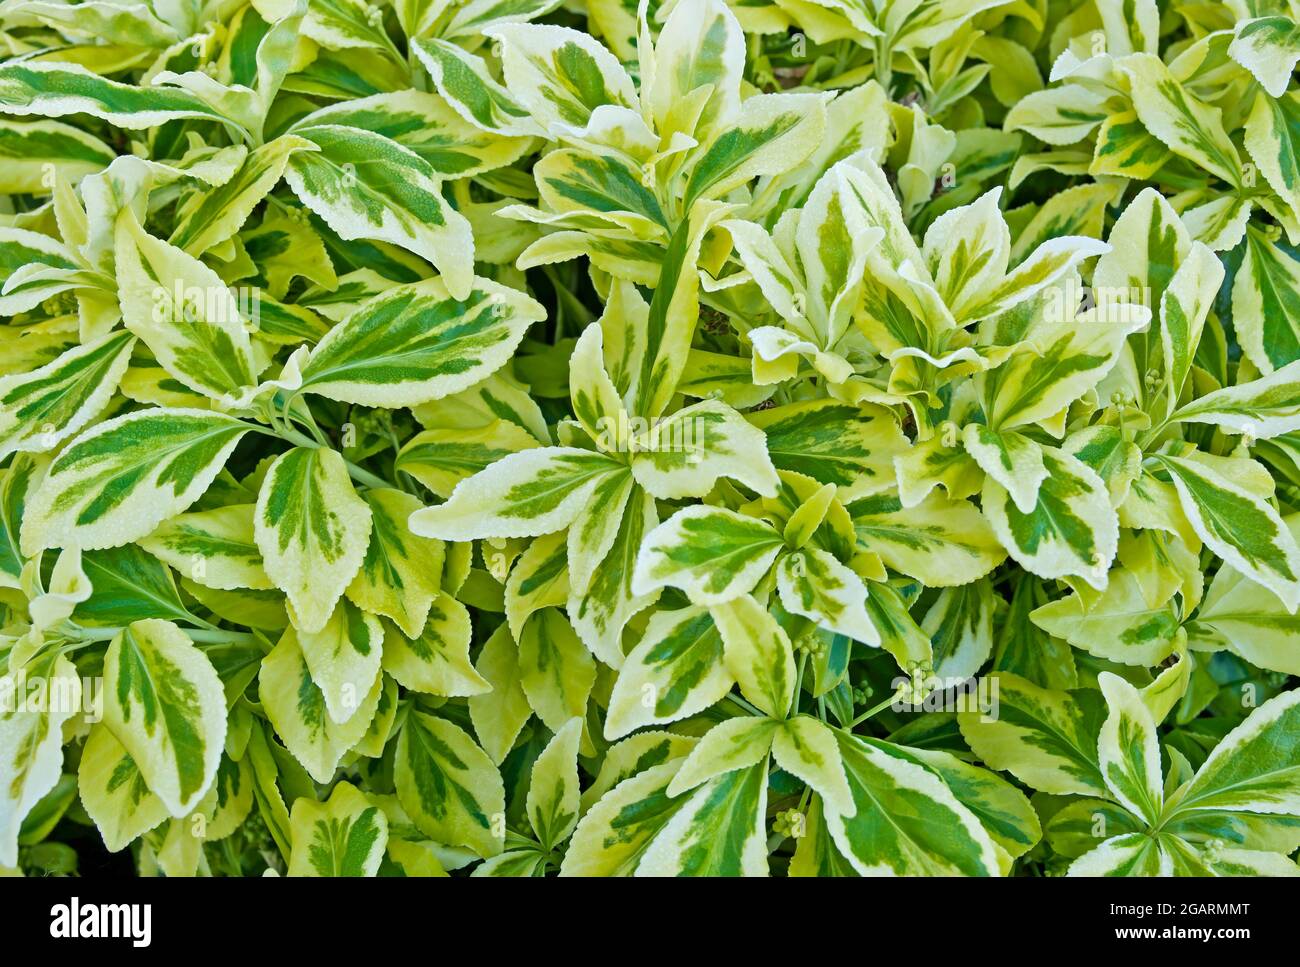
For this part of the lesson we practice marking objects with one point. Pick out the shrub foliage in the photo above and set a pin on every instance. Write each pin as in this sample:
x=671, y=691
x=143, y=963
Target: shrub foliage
x=519, y=437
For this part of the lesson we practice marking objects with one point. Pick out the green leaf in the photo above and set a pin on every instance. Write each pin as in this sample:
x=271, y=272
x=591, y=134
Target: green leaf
x=1005, y=812
x=1062, y=363
x=448, y=785
x=713, y=554
x=343, y=836
x=601, y=611
x=312, y=530
x=1237, y=522
x=698, y=58
x=675, y=671
x=295, y=706
x=1060, y=115
x=552, y=801
x=960, y=625
x=165, y=704
x=16, y=484
x=757, y=653
x=128, y=585
x=119, y=480
x=905, y=820
x=31, y=742
x=1015, y=462
x=539, y=579
x=366, y=186
x=41, y=408
x=1046, y=738
x=416, y=343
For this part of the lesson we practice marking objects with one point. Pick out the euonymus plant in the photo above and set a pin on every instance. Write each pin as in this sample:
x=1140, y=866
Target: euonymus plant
x=518, y=437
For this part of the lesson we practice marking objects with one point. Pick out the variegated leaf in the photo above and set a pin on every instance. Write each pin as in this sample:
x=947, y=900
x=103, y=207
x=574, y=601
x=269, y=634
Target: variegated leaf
x=400, y=574
x=31, y=741
x=312, y=530
x=525, y=494
x=553, y=793
x=1236, y=521
x=448, y=785
x=905, y=820
x=343, y=836
x=214, y=548
x=117, y=481
x=436, y=660
x=165, y=704
x=713, y=554
x=40, y=408
x=1072, y=530
x=295, y=706
x=183, y=312
x=416, y=343
x=676, y=670
x=367, y=186
x=1127, y=750
x=114, y=792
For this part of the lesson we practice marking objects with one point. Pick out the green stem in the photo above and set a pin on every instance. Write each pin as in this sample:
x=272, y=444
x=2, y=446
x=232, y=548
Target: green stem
x=218, y=636
x=798, y=679
x=211, y=635
x=874, y=710
x=741, y=703
x=359, y=474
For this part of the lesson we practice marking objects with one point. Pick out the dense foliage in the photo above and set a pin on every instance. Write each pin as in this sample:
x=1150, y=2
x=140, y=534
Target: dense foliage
x=810, y=437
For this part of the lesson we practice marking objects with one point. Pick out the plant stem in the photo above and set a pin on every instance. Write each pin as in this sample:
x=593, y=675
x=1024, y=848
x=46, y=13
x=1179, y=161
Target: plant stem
x=874, y=710
x=359, y=474
x=752, y=710
x=209, y=635
x=220, y=636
